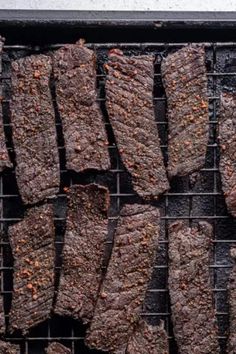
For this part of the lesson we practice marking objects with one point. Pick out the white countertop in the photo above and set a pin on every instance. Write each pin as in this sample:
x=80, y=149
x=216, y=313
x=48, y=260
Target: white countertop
x=120, y=5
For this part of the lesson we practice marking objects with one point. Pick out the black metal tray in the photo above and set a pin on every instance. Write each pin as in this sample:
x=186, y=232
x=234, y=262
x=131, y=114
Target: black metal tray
x=28, y=33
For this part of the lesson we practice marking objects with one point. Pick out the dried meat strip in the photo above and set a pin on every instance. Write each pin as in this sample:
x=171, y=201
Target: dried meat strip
x=185, y=83
x=86, y=232
x=8, y=348
x=232, y=306
x=129, y=270
x=57, y=348
x=227, y=138
x=4, y=157
x=148, y=339
x=2, y=313
x=32, y=241
x=191, y=297
x=34, y=131
x=82, y=121
x=129, y=101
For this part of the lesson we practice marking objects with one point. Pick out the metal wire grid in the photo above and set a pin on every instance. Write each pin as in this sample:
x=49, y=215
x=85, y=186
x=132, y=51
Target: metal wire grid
x=184, y=201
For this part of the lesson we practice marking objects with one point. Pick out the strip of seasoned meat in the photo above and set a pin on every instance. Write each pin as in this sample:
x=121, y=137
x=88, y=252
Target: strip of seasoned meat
x=129, y=94
x=185, y=82
x=2, y=315
x=148, y=339
x=193, y=313
x=83, y=126
x=2, y=312
x=129, y=270
x=8, y=348
x=232, y=306
x=227, y=138
x=32, y=242
x=57, y=348
x=33, y=128
x=84, y=246
x=4, y=157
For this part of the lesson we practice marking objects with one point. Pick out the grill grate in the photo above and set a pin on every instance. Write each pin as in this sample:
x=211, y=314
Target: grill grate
x=203, y=200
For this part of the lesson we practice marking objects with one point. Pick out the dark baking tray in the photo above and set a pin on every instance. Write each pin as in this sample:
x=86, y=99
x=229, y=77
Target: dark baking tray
x=30, y=32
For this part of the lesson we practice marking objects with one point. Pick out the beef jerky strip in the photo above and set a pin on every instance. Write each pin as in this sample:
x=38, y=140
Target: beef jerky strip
x=4, y=157
x=148, y=339
x=32, y=241
x=227, y=138
x=125, y=284
x=129, y=93
x=57, y=348
x=8, y=348
x=232, y=306
x=193, y=313
x=2, y=313
x=83, y=252
x=34, y=131
x=185, y=82
x=83, y=126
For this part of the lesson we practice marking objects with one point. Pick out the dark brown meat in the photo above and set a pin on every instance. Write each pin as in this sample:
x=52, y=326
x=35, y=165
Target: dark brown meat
x=185, y=82
x=227, y=138
x=148, y=340
x=85, y=236
x=32, y=241
x=83, y=126
x=8, y=348
x=232, y=306
x=4, y=157
x=34, y=131
x=57, y=348
x=2, y=313
x=191, y=297
x=125, y=284
x=129, y=93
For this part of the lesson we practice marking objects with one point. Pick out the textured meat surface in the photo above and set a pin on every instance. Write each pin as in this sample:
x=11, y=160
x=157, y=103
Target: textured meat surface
x=129, y=270
x=227, y=139
x=193, y=314
x=34, y=131
x=232, y=306
x=32, y=241
x=4, y=157
x=83, y=252
x=148, y=339
x=129, y=94
x=57, y=348
x=8, y=348
x=83, y=126
x=2, y=313
x=185, y=82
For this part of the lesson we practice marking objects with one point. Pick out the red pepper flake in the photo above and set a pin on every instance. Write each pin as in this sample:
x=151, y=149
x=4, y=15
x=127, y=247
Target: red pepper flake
x=37, y=74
